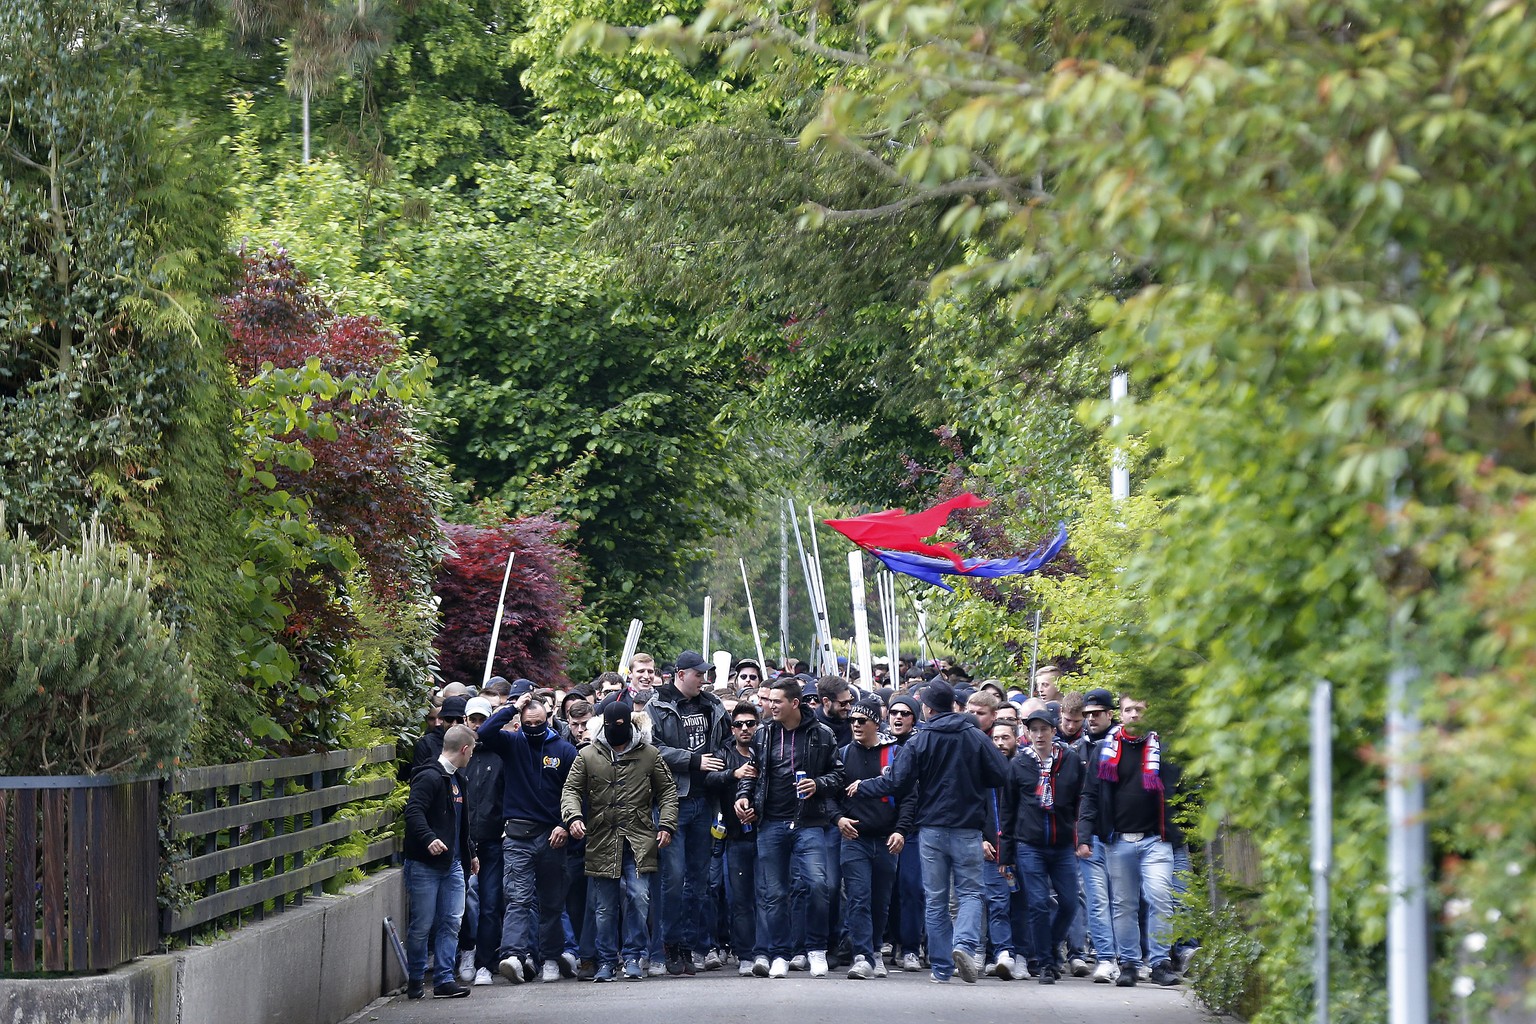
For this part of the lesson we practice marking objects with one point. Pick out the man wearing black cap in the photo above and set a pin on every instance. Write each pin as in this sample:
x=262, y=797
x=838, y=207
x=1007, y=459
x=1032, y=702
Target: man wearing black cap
x=1048, y=781
x=689, y=726
x=949, y=765
x=1098, y=720
x=614, y=782
x=429, y=746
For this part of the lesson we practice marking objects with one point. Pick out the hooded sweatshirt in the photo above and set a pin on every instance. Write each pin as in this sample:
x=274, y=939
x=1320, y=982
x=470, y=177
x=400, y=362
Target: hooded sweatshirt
x=878, y=816
x=948, y=765
x=533, y=768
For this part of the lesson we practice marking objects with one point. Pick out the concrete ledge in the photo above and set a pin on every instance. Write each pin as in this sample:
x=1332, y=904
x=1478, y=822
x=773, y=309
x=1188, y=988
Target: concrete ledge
x=316, y=964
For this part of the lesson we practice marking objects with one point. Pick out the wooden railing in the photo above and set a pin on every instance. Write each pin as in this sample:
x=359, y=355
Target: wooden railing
x=251, y=831
x=79, y=871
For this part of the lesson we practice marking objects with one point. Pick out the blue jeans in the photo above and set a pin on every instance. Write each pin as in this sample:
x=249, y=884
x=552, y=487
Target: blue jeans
x=907, y=928
x=1043, y=868
x=685, y=875
x=619, y=911
x=1101, y=929
x=741, y=891
x=999, y=904
x=436, y=901
x=492, y=902
x=1141, y=870
x=869, y=876
x=951, y=854
x=791, y=873
x=533, y=884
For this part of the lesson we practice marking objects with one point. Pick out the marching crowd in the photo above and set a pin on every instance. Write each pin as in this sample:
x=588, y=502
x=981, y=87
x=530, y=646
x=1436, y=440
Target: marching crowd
x=675, y=823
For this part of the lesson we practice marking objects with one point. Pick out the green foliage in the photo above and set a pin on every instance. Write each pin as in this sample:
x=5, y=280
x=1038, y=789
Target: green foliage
x=93, y=679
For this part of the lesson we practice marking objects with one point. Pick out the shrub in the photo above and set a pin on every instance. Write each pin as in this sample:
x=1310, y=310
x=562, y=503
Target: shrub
x=91, y=677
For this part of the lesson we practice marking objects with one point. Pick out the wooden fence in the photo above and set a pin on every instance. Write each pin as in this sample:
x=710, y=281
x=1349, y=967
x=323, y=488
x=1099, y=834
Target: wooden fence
x=251, y=831
x=79, y=870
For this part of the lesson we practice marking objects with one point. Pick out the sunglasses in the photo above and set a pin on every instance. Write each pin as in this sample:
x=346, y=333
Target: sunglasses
x=842, y=703
x=899, y=711
x=859, y=720
x=744, y=724
x=748, y=677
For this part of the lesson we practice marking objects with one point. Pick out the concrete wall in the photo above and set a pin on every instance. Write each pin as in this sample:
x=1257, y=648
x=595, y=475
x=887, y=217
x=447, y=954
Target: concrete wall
x=316, y=964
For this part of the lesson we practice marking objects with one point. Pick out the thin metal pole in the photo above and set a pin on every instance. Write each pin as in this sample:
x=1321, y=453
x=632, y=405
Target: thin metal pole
x=828, y=655
x=501, y=607
x=1322, y=837
x=757, y=639
x=783, y=586
x=1034, y=657
x=1119, y=473
x=704, y=644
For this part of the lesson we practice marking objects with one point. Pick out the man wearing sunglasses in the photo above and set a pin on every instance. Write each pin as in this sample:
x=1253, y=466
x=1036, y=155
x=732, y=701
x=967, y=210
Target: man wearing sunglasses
x=873, y=832
x=906, y=917
x=740, y=843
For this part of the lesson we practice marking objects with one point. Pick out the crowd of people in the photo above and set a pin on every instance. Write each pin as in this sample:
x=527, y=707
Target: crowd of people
x=673, y=823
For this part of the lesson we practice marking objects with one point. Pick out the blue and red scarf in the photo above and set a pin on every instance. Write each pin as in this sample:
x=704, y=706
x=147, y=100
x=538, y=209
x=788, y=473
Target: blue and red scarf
x=1151, y=758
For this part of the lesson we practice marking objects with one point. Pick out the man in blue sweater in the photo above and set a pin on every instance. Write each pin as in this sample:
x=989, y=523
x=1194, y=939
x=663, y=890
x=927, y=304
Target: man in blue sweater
x=535, y=762
x=949, y=766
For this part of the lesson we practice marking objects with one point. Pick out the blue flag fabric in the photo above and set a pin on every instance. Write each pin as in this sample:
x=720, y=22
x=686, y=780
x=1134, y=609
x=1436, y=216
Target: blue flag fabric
x=933, y=570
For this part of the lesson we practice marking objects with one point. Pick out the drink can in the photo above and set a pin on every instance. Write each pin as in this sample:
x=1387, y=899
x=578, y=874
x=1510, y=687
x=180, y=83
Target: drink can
x=718, y=828
x=799, y=778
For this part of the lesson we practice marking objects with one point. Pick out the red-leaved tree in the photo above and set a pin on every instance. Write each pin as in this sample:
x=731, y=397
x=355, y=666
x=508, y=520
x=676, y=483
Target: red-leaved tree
x=541, y=597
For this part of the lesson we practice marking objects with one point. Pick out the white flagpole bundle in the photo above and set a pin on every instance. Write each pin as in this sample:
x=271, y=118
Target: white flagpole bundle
x=860, y=616
x=828, y=655
x=885, y=593
x=709, y=603
x=757, y=638
x=813, y=591
x=501, y=607
x=631, y=645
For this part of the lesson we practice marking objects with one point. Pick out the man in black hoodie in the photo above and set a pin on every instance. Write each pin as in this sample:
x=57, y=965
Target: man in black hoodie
x=1098, y=720
x=950, y=764
x=873, y=831
x=437, y=849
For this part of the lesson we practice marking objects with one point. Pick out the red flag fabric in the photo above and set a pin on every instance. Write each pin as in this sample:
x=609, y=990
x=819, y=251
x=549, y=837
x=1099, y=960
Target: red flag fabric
x=898, y=531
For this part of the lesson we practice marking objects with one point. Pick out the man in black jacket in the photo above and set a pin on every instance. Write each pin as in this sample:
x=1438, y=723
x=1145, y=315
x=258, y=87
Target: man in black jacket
x=949, y=765
x=874, y=830
x=437, y=848
x=796, y=773
x=1048, y=782
x=740, y=843
x=483, y=787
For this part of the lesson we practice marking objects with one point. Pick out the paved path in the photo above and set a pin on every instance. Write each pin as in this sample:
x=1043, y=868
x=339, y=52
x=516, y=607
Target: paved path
x=720, y=997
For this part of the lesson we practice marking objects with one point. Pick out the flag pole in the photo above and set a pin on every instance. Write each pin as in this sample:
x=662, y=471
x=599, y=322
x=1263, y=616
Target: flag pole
x=501, y=607
x=829, y=657
x=704, y=644
x=860, y=616
x=783, y=586
x=757, y=638
x=1034, y=657
x=631, y=645
x=823, y=634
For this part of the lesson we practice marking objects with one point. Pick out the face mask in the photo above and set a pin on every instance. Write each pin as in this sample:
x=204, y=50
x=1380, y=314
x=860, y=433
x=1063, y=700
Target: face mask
x=618, y=734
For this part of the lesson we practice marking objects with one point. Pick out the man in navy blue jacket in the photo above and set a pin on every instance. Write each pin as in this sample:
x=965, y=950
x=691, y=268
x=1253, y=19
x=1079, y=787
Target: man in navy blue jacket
x=535, y=762
x=949, y=765
x=437, y=849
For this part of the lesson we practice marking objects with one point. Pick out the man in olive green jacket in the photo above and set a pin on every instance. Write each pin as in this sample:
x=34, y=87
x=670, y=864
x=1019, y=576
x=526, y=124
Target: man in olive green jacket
x=615, y=783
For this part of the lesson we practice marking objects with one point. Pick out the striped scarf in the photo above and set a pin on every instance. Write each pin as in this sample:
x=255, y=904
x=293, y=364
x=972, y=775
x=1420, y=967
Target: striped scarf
x=1151, y=758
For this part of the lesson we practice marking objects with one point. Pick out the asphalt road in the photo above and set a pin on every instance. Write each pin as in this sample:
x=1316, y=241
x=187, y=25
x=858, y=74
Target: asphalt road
x=720, y=997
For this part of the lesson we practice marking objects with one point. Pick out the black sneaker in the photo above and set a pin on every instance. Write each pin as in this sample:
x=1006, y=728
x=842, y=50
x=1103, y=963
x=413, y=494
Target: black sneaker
x=685, y=958
x=674, y=961
x=587, y=971
x=415, y=990
x=1162, y=974
x=1127, y=977
x=449, y=990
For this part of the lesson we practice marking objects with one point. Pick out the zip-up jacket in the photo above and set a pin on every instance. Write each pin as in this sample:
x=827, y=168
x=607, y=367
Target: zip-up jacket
x=949, y=765
x=723, y=784
x=671, y=737
x=533, y=768
x=815, y=754
x=435, y=810
x=877, y=816
x=482, y=779
x=1029, y=822
x=1107, y=804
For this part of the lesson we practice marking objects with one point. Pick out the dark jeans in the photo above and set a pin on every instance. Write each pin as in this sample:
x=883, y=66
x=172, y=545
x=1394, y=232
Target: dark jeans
x=685, y=875
x=741, y=891
x=533, y=884
x=1041, y=869
x=619, y=908
x=492, y=903
x=999, y=901
x=907, y=927
x=791, y=872
x=869, y=875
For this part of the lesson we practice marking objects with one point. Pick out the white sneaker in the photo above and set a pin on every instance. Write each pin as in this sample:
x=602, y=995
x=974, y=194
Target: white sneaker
x=512, y=969
x=569, y=965
x=910, y=962
x=965, y=965
x=860, y=969
x=466, y=965
x=744, y=969
x=799, y=962
x=760, y=967
x=551, y=971
x=779, y=968
x=656, y=969
x=880, y=971
x=1107, y=973
x=483, y=976
x=1143, y=972
x=989, y=970
x=1079, y=966
x=1004, y=966
x=818, y=965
